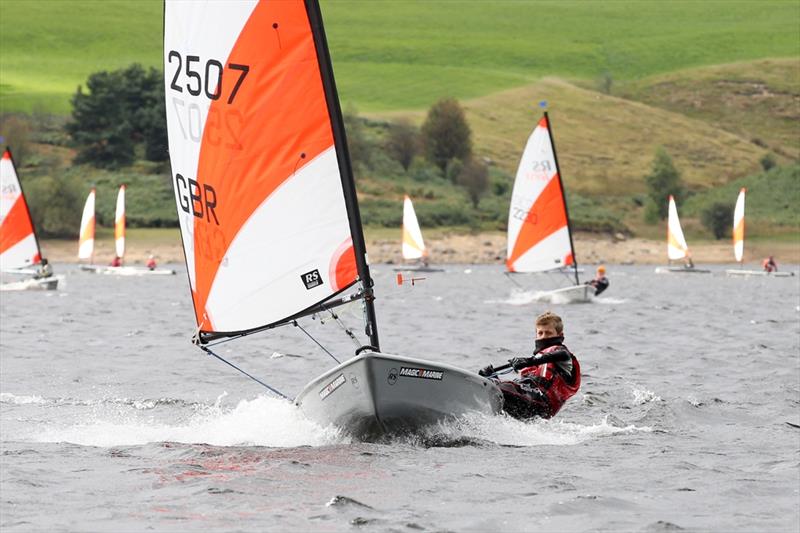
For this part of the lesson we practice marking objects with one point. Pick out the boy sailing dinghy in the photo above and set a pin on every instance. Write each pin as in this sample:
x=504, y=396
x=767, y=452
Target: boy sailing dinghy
x=413, y=245
x=119, y=247
x=539, y=232
x=738, y=244
x=676, y=245
x=19, y=247
x=268, y=211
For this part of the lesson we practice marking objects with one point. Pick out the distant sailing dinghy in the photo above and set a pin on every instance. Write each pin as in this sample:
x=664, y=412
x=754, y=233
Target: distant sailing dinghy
x=119, y=247
x=268, y=211
x=677, y=248
x=86, y=234
x=19, y=247
x=413, y=244
x=539, y=233
x=738, y=244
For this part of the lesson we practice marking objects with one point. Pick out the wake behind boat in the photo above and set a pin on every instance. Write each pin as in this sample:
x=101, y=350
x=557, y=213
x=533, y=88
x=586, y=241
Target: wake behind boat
x=268, y=210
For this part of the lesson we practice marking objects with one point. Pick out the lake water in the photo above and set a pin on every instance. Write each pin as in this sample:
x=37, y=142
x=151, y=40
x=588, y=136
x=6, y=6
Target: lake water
x=110, y=420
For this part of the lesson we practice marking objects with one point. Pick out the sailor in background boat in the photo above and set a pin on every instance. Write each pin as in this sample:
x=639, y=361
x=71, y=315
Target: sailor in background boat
x=600, y=282
x=546, y=380
x=151, y=263
x=770, y=265
x=45, y=270
x=116, y=262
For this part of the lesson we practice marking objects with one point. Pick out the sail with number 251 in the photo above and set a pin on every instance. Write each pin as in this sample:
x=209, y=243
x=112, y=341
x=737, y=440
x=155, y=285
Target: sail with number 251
x=539, y=236
x=18, y=245
x=260, y=169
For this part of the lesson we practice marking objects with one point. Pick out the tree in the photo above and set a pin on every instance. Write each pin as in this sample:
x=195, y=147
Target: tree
x=15, y=131
x=767, y=162
x=717, y=218
x=446, y=133
x=474, y=177
x=357, y=143
x=664, y=180
x=52, y=201
x=121, y=109
x=402, y=142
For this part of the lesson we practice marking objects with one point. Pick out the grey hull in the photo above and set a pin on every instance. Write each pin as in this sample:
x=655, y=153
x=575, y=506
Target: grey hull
x=375, y=394
x=681, y=270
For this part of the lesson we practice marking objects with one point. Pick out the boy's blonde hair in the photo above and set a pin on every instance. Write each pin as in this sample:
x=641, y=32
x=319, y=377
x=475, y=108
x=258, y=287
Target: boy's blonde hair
x=549, y=318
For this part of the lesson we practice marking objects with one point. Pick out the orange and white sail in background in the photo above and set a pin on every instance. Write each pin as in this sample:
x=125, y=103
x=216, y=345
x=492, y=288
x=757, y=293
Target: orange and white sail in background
x=738, y=227
x=676, y=243
x=18, y=245
x=413, y=245
x=86, y=237
x=255, y=169
x=119, y=223
x=538, y=227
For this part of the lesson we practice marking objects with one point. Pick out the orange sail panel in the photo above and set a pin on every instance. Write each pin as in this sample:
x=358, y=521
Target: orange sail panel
x=538, y=228
x=255, y=171
x=18, y=245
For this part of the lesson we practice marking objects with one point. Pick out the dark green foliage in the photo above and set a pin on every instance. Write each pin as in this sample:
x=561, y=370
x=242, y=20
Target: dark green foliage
x=589, y=214
x=768, y=161
x=121, y=110
x=358, y=144
x=446, y=134
x=474, y=177
x=664, y=180
x=55, y=203
x=718, y=218
x=402, y=142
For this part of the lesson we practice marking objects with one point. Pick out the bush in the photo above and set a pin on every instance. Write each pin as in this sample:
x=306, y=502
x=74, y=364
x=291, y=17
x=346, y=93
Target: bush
x=402, y=143
x=474, y=177
x=446, y=134
x=16, y=131
x=664, y=180
x=718, y=218
x=55, y=203
x=768, y=161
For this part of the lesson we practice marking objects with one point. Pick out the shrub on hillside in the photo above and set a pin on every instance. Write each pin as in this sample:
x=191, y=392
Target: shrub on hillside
x=16, y=131
x=446, y=134
x=402, y=142
x=717, y=218
x=52, y=201
x=474, y=177
x=358, y=144
x=122, y=109
x=768, y=161
x=664, y=180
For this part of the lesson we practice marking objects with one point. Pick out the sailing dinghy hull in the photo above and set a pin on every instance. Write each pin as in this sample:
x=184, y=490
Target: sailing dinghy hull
x=376, y=394
x=681, y=270
x=33, y=284
x=733, y=272
x=571, y=295
x=127, y=271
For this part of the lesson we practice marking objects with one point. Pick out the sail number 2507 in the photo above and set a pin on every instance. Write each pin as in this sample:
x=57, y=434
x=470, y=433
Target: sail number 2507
x=191, y=74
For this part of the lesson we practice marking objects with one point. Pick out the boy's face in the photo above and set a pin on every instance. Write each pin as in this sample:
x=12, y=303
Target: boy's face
x=546, y=331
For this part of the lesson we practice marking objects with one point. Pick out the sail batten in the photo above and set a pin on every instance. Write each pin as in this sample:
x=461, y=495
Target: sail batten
x=261, y=189
x=19, y=246
x=539, y=235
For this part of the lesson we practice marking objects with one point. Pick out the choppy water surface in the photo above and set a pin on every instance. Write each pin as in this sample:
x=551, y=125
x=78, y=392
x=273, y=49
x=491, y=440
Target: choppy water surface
x=111, y=420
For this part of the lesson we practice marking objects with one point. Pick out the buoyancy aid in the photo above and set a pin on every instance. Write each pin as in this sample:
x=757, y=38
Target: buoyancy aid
x=553, y=381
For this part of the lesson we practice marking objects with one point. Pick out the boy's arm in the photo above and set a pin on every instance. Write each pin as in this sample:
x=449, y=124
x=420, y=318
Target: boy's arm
x=553, y=357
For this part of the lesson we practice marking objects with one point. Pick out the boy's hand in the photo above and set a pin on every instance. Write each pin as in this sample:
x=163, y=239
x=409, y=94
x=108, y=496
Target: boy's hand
x=518, y=363
x=486, y=371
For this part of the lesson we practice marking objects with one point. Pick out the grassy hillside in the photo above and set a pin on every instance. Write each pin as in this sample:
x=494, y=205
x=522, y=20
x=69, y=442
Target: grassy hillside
x=400, y=55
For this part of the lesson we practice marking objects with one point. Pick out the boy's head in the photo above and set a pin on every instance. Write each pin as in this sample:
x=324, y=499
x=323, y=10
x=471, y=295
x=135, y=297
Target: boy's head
x=549, y=325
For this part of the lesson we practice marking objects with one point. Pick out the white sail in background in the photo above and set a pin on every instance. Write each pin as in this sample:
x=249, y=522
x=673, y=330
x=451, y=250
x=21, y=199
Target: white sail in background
x=738, y=227
x=18, y=245
x=413, y=245
x=86, y=237
x=538, y=227
x=119, y=223
x=676, y=243
x=256, y=172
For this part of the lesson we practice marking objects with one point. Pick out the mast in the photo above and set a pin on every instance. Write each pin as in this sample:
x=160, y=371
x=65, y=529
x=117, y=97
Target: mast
x=25, y=203
x=346, y=170
x=563, y=197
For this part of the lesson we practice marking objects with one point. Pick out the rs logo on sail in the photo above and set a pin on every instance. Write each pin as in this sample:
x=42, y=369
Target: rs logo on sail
x=195, y=203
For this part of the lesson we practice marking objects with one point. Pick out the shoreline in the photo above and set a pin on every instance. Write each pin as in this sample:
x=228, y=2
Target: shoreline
x=480, y=248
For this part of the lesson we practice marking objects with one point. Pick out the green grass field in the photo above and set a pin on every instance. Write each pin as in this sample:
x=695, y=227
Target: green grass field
x=395, y=55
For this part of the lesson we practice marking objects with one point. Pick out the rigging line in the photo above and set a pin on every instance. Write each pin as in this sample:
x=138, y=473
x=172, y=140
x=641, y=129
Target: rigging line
x=295, y=324
x=512, y=280
x=345, y=328
x=241, y=335
x=273, y=390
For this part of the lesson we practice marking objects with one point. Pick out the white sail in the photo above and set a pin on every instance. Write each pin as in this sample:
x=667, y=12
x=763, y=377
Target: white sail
x=676, y=243
x=119, y=223
x=18, y=245
x=538, y=227
x=256, y=172
x=86, y=237
x=738, y=227
x=413, y=245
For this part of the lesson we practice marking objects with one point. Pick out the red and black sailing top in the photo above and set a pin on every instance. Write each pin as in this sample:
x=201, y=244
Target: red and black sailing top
x=558, y=380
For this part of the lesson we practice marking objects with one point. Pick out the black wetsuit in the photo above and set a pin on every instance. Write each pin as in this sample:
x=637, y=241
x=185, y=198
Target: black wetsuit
x=599, y=284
